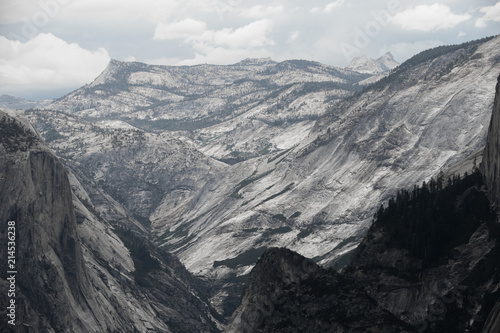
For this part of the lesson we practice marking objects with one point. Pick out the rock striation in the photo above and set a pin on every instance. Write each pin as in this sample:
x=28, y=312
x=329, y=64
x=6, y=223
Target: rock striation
x=490, y=168
x=218, y=163
x=75, y=271
x=491, y=160
x=54, y=291
x=439, y=273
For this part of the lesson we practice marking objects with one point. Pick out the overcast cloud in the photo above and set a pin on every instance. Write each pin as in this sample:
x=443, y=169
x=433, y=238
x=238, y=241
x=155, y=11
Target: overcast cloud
x=50, y=47
x=429, y=18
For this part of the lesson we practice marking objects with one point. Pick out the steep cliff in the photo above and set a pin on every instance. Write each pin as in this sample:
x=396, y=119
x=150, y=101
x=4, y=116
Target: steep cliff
x=54, y=291
x=74, y=272
x=491, y=160
x=426, y=116
x=429, y=263
x=430, y=260
x=311, y=186
x=491, y=169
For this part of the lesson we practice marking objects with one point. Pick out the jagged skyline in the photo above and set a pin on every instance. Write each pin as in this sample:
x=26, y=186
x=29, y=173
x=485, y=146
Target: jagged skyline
x=51, y=47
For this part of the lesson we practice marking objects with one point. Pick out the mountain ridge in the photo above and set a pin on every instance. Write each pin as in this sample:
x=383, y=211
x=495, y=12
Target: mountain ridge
x=12, y=102
x=429, y=259
x=303, y=166
x=363, y=64
x=339, y=129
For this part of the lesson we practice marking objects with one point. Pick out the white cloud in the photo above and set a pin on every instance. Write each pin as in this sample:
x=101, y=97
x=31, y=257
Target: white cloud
x=329, y=7
x=249, y=36
x=253, y=35
x=491, y=13
x=47, y=63
x=333, y=5
x=123, y=10
x=428, y=18
x=156, y=11
x=262, y=11
x=185, y=29
x=293, y=36
x=218, y=46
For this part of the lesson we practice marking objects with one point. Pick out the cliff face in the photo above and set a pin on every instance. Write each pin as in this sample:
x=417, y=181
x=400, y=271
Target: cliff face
x=429, y=263
x=440, y=273
x=324, y=179
x=74, y=273
x=491, y=171
x=491, y=159
x=36, y=195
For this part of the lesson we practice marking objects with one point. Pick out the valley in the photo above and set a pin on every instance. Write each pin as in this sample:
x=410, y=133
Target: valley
x=215, y=165
x=296, y=150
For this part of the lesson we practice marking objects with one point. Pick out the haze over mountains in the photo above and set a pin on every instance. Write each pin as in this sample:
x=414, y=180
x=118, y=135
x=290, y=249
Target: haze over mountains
x=11, y=102
x=216, y=164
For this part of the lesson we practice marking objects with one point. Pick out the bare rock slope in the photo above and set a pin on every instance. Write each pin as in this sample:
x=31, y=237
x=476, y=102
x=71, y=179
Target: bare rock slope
x=429, y=263
x=268, y=154
x=74, y=274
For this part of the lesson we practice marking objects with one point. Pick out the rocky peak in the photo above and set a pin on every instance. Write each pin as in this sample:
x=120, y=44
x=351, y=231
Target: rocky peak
x=363, y=64
x=282, y=265
x=256, y=61
x=388, y=61
x=287, y=292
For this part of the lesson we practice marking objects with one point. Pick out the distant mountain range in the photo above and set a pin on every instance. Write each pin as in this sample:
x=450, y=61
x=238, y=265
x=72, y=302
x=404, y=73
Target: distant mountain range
x=363, y=64
x=217, y=164
x=11, y=102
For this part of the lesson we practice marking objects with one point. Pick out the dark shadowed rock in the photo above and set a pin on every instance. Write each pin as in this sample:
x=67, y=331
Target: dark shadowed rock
x=289, y=293
x=491, y=159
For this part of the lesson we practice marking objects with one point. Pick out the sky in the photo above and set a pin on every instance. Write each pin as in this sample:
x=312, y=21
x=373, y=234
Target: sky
x=49, y=48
